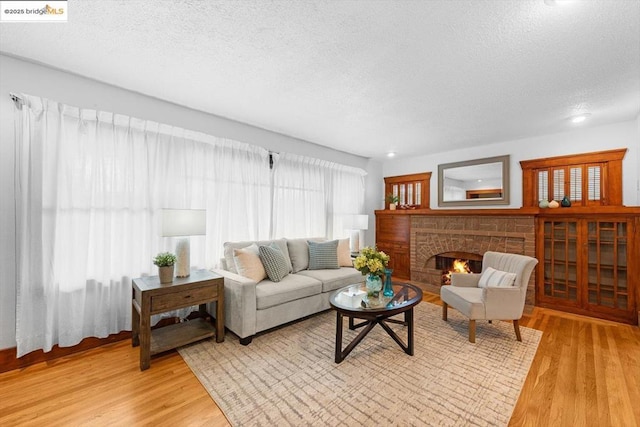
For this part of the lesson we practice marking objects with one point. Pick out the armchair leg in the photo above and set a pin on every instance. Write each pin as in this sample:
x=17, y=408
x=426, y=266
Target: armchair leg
x=516, y=327
x=444, y=310
x=472, y=331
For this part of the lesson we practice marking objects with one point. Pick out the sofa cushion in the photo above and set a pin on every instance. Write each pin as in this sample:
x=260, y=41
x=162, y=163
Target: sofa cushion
x=274, y=262
x=299, y=252
x=230, y=246
x=344, y=253
x=323, y=255
x=290, y=288
x=248, y=263
x=335, y=279
x=492, y=278
x=468, y=301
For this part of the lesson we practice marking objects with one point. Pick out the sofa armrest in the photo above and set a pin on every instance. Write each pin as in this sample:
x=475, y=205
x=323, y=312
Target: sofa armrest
x=504, y=303
x=239, y=303
x=465, y=280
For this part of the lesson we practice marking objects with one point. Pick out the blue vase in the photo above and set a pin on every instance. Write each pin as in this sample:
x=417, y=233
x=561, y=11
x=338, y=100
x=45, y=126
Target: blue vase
x=388, y=288
x=374, y=284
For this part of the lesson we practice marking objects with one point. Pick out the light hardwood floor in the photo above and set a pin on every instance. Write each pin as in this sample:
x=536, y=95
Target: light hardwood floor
x=586, y=373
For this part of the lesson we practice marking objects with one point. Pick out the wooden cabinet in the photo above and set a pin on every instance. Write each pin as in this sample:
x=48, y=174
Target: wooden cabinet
x=392, y=237
x=411, y=190
x=588, y=264
x=590, y=179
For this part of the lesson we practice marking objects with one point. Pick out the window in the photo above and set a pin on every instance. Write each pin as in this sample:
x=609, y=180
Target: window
x=591, y=179
x=411, y=190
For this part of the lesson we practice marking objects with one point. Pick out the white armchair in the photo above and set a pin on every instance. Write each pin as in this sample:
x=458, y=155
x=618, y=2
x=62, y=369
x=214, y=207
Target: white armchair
x=491, y=295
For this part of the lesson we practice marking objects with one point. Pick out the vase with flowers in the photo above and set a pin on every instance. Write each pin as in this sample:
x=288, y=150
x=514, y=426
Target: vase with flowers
x=372, y=263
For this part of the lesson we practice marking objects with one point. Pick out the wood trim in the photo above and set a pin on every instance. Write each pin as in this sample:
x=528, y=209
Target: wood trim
x=575, y=159
x=9, y=361
x=409, y=177
x=526, y=211
x=424, y=178
x=611, y=176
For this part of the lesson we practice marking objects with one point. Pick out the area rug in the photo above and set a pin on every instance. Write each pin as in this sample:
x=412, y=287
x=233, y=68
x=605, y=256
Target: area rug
x=288, y=377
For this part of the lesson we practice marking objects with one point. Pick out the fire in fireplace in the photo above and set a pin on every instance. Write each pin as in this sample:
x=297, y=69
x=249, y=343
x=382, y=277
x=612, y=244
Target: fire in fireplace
x=457, y=262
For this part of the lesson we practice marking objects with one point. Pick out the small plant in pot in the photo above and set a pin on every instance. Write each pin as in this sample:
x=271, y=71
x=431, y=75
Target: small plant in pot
x=392, y=199
x=165, y=262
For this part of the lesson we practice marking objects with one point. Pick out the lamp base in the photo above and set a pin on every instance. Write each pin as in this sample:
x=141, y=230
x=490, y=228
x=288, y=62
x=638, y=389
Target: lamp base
x=183, y=263
x=354, y=241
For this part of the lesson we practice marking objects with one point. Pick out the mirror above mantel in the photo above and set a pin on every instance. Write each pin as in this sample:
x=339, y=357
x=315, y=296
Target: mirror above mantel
x=479, y=182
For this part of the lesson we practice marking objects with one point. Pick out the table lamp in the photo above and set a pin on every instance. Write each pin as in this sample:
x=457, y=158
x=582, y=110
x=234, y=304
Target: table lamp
x=183, y=223
x=356, y=224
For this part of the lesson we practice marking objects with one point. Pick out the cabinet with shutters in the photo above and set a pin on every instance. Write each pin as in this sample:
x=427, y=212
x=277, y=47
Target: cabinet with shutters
x=588, y=264
x=392, y=237
x=411, y=190
x=587, y=180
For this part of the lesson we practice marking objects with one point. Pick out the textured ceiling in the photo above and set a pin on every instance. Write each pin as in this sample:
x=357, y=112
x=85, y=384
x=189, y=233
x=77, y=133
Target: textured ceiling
x=366, y=77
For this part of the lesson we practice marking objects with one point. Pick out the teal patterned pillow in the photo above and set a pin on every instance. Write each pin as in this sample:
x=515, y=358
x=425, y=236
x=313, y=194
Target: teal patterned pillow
x=323, y=255
x=274, y=262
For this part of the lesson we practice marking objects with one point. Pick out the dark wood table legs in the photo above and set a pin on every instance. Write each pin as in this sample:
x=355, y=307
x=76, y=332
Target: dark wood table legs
x=369, y=324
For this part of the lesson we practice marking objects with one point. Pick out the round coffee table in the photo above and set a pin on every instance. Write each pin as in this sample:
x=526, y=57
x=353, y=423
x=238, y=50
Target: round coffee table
x=348, y=301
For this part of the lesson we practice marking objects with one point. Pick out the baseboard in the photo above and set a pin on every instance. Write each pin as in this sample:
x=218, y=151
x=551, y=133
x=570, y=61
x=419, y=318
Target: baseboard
x=9, y=361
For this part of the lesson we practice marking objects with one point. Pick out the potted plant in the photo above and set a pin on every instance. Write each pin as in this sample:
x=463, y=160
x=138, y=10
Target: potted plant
x=392, y=199
x=165, y=262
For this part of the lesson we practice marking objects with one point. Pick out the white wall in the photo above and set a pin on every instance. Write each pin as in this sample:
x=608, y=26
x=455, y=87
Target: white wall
x=583, y=140
x=21, y=76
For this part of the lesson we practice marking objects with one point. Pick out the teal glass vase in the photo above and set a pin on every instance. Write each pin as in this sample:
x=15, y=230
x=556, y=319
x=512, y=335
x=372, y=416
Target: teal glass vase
x=374, y=284
x=388, y=286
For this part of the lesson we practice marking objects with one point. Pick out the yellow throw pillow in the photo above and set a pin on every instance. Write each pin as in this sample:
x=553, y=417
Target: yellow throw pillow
x=248, y=263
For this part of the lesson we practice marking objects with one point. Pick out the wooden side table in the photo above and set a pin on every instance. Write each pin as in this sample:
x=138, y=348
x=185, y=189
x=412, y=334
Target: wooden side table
x=151, y=297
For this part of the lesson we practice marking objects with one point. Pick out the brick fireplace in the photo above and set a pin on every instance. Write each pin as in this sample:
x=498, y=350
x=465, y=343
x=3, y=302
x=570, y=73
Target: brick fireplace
x=432, y=235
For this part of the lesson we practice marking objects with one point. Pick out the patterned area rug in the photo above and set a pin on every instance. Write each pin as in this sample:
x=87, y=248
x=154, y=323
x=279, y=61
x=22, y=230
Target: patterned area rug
x=288, y=376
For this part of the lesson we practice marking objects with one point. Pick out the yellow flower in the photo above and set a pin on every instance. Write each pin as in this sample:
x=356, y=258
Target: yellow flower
x=370, y=261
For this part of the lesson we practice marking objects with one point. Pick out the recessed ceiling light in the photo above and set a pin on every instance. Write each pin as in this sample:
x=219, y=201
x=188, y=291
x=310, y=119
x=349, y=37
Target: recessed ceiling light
x=580, y=118
x=557, y=2
x=391, y=154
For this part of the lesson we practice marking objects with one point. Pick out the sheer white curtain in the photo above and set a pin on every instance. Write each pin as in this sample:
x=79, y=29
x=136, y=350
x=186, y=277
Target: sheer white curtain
x=310, y=196
x=299, y=189
x=89, y=189
x=346, y=196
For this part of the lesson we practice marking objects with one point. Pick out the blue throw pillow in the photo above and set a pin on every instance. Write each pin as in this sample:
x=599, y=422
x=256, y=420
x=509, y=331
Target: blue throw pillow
x=323, y=255
x=274, y=262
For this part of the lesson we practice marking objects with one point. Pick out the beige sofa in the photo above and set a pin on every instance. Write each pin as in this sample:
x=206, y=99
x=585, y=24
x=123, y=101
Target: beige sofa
x=255, y=306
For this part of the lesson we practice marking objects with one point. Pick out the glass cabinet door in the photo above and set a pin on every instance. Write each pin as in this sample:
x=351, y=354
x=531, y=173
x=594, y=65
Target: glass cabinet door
x=607, y=265
x=560, y=261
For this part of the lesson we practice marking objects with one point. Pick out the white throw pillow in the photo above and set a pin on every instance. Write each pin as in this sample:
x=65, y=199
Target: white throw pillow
x=344, y=253
x=248, y=263
x=492, y=278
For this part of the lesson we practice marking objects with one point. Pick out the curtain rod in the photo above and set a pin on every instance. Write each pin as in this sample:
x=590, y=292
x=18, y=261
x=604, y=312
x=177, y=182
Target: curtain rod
x=15, y=98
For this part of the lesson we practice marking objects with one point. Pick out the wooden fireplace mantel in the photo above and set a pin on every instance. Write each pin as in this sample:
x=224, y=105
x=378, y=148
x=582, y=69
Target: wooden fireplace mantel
x=527, y=211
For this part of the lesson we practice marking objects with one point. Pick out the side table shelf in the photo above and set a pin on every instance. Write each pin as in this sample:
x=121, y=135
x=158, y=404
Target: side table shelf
x=179, y=334
x=151, y=297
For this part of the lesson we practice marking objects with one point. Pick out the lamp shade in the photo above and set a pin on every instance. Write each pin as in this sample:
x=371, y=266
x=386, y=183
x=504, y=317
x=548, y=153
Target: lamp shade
x=184, y=222
x=355, y=222
x=361, y=222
